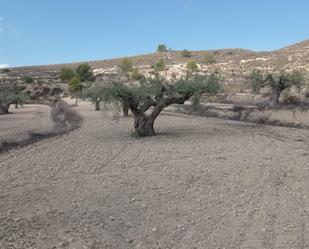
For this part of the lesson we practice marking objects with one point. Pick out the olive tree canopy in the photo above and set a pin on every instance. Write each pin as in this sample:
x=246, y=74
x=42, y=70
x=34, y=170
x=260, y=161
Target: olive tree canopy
x=147, y=99
x=10, y=93
x=277, y=81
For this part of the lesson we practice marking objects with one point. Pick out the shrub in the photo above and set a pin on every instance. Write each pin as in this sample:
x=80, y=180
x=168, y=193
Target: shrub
x=159, y=65
x=162, y=48
x=84, y=73
x=263, y=118
x=28, y=79
x=136, y=75
x=238, y=108
x=75, y=85
x=292, y=100
x=185, y=53
x=209, y=59
x=192, y=66
x=67, y=74
x=126, y=65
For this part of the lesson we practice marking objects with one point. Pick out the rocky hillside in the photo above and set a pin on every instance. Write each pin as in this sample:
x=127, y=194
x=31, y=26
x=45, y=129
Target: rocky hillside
x=233, y=63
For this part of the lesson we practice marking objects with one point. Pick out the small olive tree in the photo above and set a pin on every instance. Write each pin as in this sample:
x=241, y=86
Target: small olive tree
x=213, y=86
x=278, y=82
x=147, y=99
x=76, y=78
x=93, y=93
x=162, y=48
x=10, y=93
x=75, y=87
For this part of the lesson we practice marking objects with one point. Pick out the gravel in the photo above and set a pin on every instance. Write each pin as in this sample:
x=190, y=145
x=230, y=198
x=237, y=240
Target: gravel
x=201, y=183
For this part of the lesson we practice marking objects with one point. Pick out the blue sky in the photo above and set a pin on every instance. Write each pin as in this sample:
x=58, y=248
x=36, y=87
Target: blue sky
x=58, y=31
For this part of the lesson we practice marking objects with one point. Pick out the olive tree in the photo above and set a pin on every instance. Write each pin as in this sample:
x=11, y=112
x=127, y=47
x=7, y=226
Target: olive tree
x=76, y=78
x=277, y=81
x=94, y=94
x=75, y=87
x=10, y=93
x=67, y=74
x=161, y=48
x=213, y=86
x=84, y=72
x=147, y=99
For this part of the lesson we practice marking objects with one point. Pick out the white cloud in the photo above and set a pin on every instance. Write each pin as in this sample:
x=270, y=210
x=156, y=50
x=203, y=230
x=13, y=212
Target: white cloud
x=4, y=65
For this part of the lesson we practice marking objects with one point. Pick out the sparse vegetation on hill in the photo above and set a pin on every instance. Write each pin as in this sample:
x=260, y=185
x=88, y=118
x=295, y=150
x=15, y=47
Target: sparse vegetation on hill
x=209, y=59
x=192, y=66
x=125, y=65
x=28, y=79
x=159, y=65
x=234, y=64
x=136, y=75
x=185, y=53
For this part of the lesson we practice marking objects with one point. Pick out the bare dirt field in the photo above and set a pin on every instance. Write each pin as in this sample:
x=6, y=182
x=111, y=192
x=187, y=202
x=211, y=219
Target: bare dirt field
x=201, y=183
x=30, y=118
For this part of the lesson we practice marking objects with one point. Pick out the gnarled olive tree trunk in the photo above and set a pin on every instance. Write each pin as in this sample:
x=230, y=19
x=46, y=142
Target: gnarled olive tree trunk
x=125, y=109
x=4, y=108
x=196, y=99
x=97, y=105
x=275, y=95
x=144, y=126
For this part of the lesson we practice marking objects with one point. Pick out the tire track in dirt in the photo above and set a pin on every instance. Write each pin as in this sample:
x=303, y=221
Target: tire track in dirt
x=216, y=186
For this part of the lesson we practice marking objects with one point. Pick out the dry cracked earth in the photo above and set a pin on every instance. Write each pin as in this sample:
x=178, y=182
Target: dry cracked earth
x=201, y=183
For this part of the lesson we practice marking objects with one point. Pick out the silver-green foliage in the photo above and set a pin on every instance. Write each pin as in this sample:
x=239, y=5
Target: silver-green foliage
x=10, y=93
x=157, y=93
x=277, y=81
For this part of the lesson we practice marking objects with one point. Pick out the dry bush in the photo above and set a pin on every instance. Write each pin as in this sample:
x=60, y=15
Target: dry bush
x=292, y=100
x=238, y=108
